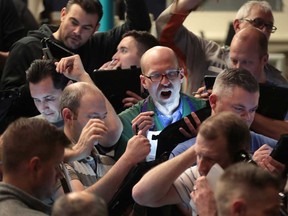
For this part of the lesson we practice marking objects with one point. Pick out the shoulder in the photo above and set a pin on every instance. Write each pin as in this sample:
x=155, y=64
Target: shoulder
x=197, y=101
x=257, y=140
x=133, y=111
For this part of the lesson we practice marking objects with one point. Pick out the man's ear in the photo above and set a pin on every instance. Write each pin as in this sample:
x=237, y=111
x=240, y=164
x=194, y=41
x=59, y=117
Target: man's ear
x=143, y=81
x=63, y=14
x=97, y=27
x=182, y=76
x=35, y=165
x=69, y=82
x=213, y=101
x=238, y=207
x=67, y=114
x=236, y=25
x=265, y=58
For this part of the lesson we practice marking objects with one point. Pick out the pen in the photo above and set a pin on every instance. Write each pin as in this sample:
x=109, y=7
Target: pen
x=111, y=63
x=136, y=129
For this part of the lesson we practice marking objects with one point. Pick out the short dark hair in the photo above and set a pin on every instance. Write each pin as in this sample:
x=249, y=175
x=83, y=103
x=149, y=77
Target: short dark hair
x=89, y=6
x=245, y=181
x=41, y=69
x=232, y=127
x=144, y=40
x=29, y=137
x=237, y=77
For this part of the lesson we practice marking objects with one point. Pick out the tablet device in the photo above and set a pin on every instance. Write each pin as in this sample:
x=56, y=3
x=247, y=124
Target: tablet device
x=52, y=50
x=273, y=101
x=280, y=152
x=115, y=83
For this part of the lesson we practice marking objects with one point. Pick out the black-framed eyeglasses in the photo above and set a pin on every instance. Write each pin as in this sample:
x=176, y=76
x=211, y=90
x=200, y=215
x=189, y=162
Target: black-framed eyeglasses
x=169, y=74
x=260, y=23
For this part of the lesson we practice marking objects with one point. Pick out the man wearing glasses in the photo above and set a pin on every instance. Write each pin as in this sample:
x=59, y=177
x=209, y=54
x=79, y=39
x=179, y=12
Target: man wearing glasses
x=202, y=56
x=162, y=78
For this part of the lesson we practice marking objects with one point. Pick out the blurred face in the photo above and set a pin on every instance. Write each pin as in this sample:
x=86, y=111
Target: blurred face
x=268, y=204
x=267, y=18
x=76, y=27
x=127, y=53
x=245, y=54
x=166, y=91
x=92, y=106
x=46, y=99
x=238, y=101
x=50, y=173
x=210, y=152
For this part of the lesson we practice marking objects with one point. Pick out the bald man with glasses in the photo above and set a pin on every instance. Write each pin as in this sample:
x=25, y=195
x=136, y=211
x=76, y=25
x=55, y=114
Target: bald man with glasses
x=162, y=78
x=200, y=56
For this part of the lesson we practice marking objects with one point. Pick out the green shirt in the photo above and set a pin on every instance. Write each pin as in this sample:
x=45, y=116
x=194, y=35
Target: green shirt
x=190, y=104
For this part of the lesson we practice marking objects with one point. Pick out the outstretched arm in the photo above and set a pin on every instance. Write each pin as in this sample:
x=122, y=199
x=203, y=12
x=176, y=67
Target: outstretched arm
x=269, y=127
x=137, y=149
x=156, y=186
x=72, y=68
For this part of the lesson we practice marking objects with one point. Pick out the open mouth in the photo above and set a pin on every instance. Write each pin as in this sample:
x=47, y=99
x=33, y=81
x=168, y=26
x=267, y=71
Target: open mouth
x=166, y=94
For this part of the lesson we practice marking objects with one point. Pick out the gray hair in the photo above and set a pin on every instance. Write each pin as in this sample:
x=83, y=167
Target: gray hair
x=246, y=8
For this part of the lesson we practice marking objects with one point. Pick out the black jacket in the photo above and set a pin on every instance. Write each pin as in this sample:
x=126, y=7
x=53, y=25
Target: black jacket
x=98, y=50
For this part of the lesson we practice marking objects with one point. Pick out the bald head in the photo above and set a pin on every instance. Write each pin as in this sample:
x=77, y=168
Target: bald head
x=156, y=55
x=80, y=203
x=252, y=39
x=72, y=95
x=249, y=50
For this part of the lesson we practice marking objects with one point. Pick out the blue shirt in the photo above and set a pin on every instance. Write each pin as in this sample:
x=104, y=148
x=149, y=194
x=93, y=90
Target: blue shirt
x=257, y=140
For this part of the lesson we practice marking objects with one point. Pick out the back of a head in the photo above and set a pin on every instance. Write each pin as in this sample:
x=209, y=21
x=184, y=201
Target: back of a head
x=144, y=40
x=230, y=126
x=245, y=10
x=72, y=94
x=80, y=203
x=230, y=78
x=254, y=38
x=157, y=55
x=40, y=69
x=30, y=137
x=89, y=6
x=243, y=181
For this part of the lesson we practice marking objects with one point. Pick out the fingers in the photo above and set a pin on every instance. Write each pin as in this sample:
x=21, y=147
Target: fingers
x=262, y=153
x=143, y=122
x=134, y=95
x=192, y=130
x=130, y=101
x=138, y=148
x=94, y=131
x=111, y=65
x=64, y=64
x=202, y=93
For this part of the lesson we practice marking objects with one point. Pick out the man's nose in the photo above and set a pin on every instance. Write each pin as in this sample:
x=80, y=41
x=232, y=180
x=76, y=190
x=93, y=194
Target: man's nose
x=43, y=105
x=202, y=166
x=164, y=79
x=78, y=30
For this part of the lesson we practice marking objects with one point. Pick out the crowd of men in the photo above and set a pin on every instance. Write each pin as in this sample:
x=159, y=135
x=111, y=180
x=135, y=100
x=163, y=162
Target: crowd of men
x=66, y=151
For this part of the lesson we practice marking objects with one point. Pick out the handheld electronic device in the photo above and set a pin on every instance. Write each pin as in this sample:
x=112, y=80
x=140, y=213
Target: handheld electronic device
x=209, y=81
x=280, y=152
